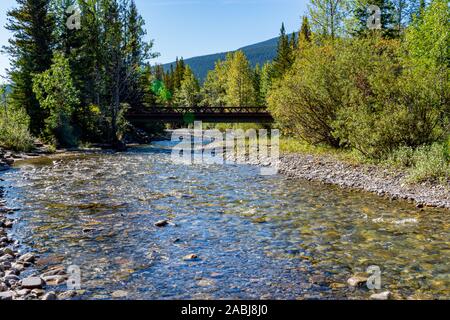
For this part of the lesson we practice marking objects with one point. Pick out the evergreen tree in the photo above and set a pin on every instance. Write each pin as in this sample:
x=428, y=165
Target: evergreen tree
x=305, y=35
x=283, y=60
x=188, y=95
x=388, y=20
x=30, y=48
x=138, y=52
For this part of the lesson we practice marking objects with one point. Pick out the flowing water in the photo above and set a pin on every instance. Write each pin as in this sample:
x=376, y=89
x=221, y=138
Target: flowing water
x=256, y=237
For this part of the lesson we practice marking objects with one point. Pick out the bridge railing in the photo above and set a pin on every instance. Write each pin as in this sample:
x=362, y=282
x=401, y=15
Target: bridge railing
x=198, y=109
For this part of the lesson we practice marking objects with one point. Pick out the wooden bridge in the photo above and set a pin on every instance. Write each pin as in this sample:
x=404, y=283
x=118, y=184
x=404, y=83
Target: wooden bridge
x=205, y=114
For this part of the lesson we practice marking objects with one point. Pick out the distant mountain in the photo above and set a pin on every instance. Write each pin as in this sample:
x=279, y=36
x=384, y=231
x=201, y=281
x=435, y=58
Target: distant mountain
x=256, y=53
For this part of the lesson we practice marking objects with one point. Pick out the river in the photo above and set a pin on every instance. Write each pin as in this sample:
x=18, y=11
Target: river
x=256, y=237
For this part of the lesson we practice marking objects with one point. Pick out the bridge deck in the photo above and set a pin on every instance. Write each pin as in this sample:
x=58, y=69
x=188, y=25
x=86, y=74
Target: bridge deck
x=206, y=114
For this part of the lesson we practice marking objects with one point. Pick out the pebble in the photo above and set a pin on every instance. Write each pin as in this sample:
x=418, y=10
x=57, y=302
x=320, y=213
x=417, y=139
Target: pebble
x=381, y=296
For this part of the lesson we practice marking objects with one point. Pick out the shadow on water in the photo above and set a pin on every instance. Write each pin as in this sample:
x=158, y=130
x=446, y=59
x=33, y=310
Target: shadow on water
x=256, y=237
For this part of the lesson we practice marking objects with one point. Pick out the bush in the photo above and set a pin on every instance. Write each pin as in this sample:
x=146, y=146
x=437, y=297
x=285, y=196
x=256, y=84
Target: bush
x=306, y=100
x=14, y=133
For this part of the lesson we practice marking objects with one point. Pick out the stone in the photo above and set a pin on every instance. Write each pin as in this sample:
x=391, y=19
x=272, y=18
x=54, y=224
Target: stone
x=190, y=257
x=67, y=295
x=38, y=292
x=23, y=292
x=119, y=294
x=50, y=296
x=381, y=296
x=59, y=270
x=28, y=257
x=6, y=257
x=54, y=280
x=161, y=223
x=7, y=295
x=8, y=251
x=357, y=281
x=18, y=266
x=32, y=283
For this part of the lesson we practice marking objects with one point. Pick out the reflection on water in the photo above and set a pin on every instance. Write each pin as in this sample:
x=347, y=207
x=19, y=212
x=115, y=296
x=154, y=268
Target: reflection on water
x=256, y=237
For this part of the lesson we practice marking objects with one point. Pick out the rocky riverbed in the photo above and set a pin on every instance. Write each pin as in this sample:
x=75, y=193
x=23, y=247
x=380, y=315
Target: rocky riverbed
x=369, y=178
x=18, y=279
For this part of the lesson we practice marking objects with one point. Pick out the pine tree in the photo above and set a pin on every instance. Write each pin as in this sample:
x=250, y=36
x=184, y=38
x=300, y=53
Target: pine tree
x=283, y=60
x=388, y=20
x=305, y=34
x=138, y=52
x=30, y=48
x=188, y=95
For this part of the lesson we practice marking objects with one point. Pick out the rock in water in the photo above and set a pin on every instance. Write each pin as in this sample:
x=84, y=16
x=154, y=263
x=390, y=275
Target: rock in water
x=381, y=296
x=161, y=223
x=119, y=294
x=32, y=283
x=357, y=281
x=190, y=257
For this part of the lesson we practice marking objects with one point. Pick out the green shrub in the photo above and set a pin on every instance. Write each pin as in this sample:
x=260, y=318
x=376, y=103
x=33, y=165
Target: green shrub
x=426, y=163
x=306, y=100
x=14, y=133
x=431, y=163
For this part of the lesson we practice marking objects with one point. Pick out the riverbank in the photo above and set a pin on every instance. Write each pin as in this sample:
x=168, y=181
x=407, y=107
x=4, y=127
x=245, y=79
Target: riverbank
x=382, y=181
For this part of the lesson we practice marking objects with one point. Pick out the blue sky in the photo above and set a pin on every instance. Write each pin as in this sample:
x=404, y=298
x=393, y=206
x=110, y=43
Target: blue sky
x=197, y=27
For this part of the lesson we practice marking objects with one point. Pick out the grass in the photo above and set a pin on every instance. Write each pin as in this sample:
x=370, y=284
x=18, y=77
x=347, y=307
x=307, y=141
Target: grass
x=294, y=145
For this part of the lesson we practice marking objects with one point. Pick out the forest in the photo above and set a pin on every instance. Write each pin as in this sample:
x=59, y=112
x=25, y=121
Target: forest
x=379, y=94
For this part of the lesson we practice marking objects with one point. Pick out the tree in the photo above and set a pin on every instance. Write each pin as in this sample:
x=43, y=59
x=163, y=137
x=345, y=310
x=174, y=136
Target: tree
x=30, y=48
x=214, y=89
x=306, y=100
x=266, y=80
x=328, y=17
x=283, y=60
x=56, y=93
x=137, y=52
x=305, y=34
x=240, y=91
x=388, y=18
x=188, y=95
